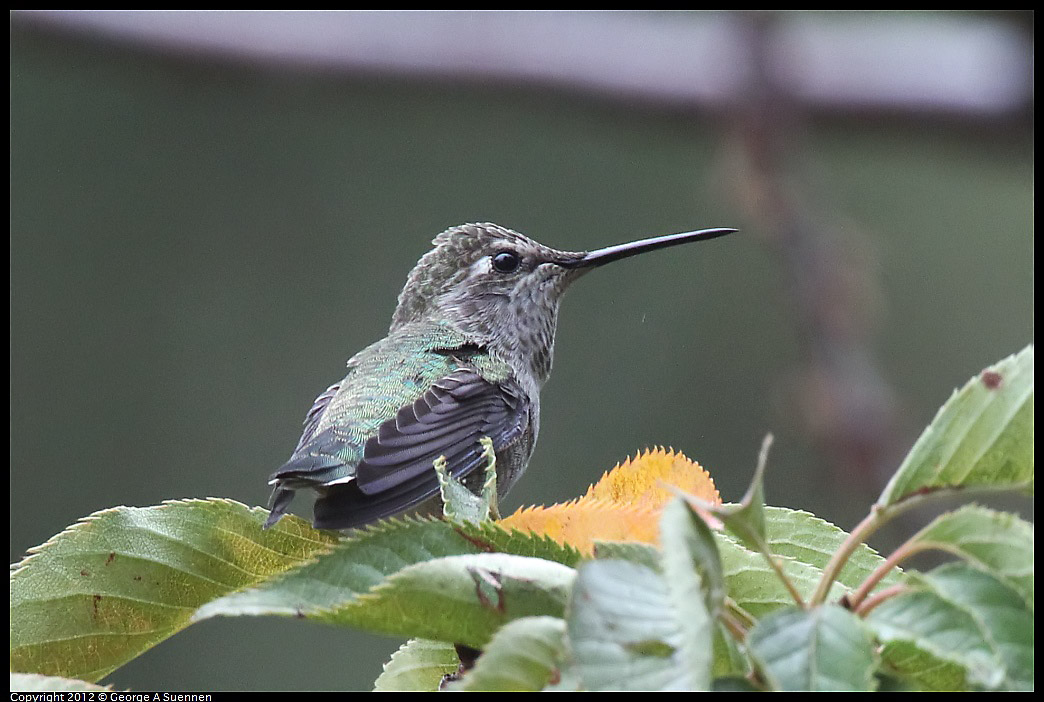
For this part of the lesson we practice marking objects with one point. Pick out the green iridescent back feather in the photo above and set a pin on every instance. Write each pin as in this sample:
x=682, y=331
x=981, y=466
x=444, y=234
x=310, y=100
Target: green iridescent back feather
x=386, y=376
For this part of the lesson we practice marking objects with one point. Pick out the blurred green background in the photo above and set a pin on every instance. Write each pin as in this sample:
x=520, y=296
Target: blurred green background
x=197, y=247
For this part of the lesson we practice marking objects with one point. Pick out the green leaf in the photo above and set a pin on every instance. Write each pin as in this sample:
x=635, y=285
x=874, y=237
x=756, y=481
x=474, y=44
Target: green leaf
x=982, y=437
x=458, y=502
x=733, y=683
x=121, y=580
x=418, y=666
x=353, y=567
x=747, y=519
x=904, y=661
x=755, y=587
x=636, y=551
x=490, y=537
x=999, y=543
x=824, y=648
x=808, y=539
x=801, y=540
x=31, y=682
x=729, y=659
x=889, y=683
x=941, y=630
x=463, y=599
x=524, y=656
x=966, y=617
x=692, y=570
x=1004, y=618
x=623, y=630
x=364, y=560
x=691, y=564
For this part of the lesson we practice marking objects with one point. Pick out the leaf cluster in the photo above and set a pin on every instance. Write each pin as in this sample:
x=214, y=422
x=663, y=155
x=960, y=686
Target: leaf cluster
x=733, y=597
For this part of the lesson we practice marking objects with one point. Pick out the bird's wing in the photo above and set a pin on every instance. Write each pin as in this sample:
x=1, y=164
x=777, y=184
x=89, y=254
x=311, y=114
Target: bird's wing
x=447, y=420
x=397, y=471
x=391, y=470
x=315, y=415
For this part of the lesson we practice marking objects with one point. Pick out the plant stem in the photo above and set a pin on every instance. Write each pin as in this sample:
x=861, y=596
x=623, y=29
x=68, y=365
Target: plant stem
x=863, y=530
x=880, y=597
x=739, y=613
x=733, y=624
x=878, y=517
x=898, y=556
x=776, y=566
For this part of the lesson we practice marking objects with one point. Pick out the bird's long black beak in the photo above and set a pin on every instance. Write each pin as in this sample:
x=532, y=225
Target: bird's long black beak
x=600, y=257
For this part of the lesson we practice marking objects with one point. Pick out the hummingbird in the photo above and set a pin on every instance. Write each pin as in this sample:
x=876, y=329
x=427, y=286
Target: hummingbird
x=469, y=348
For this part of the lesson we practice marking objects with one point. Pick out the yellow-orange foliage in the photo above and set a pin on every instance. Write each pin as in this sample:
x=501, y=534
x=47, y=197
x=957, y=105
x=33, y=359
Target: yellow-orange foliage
x=624, y=505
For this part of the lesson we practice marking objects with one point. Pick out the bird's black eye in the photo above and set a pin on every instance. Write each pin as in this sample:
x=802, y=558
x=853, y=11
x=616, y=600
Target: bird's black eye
x=506, y=262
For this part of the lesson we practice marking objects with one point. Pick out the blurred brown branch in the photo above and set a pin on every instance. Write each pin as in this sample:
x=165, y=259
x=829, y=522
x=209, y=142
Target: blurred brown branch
x=840, y=394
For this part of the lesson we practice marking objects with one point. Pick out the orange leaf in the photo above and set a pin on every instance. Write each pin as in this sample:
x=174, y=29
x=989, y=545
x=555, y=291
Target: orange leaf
x=641, y=480
x=580, y=522
x=624, y=505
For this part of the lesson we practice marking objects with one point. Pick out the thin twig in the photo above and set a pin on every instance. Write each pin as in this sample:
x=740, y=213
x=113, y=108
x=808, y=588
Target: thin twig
x=880, y=597
x=743, y=615
x=871, y=523
x=908, y=549
x=734, y=625
x=782, y=575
